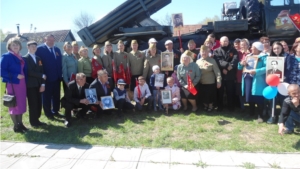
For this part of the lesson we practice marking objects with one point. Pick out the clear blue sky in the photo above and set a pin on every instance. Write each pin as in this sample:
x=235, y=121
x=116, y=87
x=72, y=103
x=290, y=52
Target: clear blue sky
x=59, y=14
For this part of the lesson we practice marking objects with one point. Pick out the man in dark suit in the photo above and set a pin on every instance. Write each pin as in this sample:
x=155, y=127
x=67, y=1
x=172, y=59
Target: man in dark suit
x=226, y=57
x=52, y=64
x=275, y=69
x=102, y=87
x=35, y=84
x=75, y=98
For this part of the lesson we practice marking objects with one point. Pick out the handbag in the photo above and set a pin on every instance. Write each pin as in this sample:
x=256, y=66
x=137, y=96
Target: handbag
x=9, y=100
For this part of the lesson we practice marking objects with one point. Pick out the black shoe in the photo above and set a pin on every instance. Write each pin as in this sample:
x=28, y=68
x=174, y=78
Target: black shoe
x=50, y=118
x=56, y=114
x=17, y=129
x=288, y=131
x=22, y=127
x=41, y=123
x=271, y=120
x=67, y=123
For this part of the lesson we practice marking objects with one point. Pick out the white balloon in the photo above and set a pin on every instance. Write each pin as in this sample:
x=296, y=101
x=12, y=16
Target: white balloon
x=282, y=88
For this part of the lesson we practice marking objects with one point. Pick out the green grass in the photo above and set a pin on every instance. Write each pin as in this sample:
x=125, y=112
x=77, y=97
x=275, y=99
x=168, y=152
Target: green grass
x=189, y=132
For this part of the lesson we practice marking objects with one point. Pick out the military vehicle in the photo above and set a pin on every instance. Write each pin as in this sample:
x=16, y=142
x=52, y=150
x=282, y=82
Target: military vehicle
x=252, y=19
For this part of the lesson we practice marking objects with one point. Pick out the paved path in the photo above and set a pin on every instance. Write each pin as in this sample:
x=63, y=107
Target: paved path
x=35, y=155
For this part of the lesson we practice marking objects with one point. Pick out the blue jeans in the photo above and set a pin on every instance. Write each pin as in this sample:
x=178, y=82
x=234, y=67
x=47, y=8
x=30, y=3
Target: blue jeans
x=157, y=94
x=289, y=124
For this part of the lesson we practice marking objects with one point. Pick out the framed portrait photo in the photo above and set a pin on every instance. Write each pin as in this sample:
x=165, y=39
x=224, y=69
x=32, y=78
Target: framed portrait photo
x=251, y=63
x=166, y=96
x=177, y=20
x=167, y=61
x=91, y=96
x=275, y=65
x=107, y=103
x=159, y=80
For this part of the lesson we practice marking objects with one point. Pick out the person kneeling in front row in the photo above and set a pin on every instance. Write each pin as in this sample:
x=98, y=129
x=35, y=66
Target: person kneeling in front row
x=75, y=98
x=142, y=95
x=290, y=111
x=121, y=98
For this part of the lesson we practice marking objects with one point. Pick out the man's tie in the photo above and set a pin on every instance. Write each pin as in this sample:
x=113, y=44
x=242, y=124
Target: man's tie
x=104, y=88
x=51, y=51
x=79, y=89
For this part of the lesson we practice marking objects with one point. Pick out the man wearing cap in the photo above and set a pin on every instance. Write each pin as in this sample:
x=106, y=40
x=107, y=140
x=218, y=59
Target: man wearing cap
x=151, y=41
x=136, y=62
x=52, y=64
x=226, y=57
x=121, y=98
x=192, y=48
x=121, y=57
x=35, y=84
x=176, y=53
x=75, y=50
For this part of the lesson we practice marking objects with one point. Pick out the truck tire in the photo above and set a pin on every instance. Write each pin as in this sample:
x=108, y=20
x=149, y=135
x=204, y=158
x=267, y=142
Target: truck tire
x=250, y=10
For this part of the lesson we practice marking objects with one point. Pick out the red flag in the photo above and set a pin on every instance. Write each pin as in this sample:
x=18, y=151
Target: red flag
x=295, y=20
x=96, y=66
x=114, y=70
x=138, y=88
x=122, y=74
x=128, y=74
x=191, y=87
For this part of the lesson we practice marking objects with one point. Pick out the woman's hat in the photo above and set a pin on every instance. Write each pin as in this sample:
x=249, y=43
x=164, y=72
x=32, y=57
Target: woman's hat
x=258, y=45
x=155, y=67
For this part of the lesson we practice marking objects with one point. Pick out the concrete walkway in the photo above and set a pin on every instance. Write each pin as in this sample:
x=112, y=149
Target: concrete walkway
x=35, y=155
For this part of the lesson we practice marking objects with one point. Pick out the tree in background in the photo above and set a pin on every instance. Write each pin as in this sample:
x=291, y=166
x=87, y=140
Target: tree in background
x=3, y=35
x=166, y=21
x=82, y=20
x=209, y=19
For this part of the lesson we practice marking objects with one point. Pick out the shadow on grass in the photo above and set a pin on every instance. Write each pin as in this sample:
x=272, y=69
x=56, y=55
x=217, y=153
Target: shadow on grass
x=297, y=145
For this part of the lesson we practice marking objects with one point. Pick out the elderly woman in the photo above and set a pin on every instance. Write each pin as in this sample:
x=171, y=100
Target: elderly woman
x=13, y=71
x=208, y=43
x=243, y=52
x=69, y=64
x=97, y=63
x=152, y=59
x=210, y=74
x=253, y=81
x=188, y=67
x=85, y=64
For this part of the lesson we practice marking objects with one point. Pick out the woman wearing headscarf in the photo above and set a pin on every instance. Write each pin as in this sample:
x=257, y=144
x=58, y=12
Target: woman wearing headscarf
x=254, y=81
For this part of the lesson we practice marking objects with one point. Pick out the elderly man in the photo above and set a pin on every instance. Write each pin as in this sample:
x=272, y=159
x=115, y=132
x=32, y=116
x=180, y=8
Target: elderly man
x=226, y=57
x=290, y=111
x=176, y=53
x=102, y=87
x=52, y=63
x=75, y=98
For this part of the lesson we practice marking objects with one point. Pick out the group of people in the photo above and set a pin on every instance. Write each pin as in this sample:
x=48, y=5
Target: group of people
x=200, y=77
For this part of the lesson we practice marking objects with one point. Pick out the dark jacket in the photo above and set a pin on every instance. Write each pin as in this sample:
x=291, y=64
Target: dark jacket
x=35, y=71
x=287, y=107
x=99, y=89
x=226, y=58
x=72, y=95
x=52, y=64
x=10, y=68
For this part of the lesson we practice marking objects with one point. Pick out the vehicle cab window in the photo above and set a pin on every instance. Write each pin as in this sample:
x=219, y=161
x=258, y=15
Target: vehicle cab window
x=280, y=2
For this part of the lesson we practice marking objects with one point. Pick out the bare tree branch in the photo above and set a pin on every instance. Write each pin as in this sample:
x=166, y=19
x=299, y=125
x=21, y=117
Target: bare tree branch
x=166, y=21
x=83, y=20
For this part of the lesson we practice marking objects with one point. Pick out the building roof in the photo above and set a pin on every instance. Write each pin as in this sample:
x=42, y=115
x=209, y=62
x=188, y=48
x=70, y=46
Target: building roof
x=188, y=29
x=60, y=36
